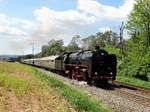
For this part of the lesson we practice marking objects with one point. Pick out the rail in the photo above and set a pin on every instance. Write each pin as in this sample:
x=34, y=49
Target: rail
x=130, y=86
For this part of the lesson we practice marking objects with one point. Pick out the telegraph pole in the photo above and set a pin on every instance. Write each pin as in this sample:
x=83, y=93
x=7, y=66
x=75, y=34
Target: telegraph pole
x=121, y=38
x=33, y=51
x=22, y=58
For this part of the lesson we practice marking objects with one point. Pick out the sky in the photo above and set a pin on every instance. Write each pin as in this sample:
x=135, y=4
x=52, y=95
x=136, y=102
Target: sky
x=24, y=22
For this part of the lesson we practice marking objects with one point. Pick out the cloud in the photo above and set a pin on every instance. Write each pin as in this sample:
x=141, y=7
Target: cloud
x=56, y=24
x=102, y=11
x=104, y=29
x=90, y=6
x=14, y=32
x=57, y=19
x=13, y=27
x=51, y=24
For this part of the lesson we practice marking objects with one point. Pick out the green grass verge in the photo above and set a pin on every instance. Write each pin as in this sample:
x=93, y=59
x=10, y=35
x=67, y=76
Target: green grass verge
x=80, y=100
x=14, y=82
x=133, y=81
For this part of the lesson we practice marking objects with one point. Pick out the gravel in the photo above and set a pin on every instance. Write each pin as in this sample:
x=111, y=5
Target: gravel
x=113, y=98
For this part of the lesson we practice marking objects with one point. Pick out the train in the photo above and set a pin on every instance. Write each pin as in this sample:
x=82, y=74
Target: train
x=93, y=66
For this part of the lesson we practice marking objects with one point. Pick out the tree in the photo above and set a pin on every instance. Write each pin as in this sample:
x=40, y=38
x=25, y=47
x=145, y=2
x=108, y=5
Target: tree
x=44, y=50
x=138, y=25
x=110, y=38
x=89, y=42
x=101, y=40
x=74, y=44
x=54, y=47
x=139, y=20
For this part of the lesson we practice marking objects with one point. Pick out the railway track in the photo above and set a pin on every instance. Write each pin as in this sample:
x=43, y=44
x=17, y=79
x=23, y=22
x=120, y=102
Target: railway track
x=134, y=97
x=134, y=93
x=131, y=87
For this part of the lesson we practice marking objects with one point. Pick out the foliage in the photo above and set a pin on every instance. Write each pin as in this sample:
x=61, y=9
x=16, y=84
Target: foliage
x=137, y=59
x=113, y=50
x=74, y=44
x=101, y=39
x=29, y=56
x=139, y=20
x=54, y=47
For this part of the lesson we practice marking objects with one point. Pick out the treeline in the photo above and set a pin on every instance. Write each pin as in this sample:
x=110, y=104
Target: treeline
x=103, y=40
x=133, y=54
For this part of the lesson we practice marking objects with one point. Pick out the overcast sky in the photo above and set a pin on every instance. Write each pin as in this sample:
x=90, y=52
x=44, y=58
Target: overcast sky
x=23, y=22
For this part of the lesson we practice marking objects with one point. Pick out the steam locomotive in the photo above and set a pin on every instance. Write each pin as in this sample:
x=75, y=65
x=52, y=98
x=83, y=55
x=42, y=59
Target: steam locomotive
x=95, y=67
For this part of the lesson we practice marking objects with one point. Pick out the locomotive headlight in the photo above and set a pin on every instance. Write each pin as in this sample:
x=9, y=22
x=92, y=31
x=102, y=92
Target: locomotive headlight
x=102, y=53
x=95, y=73
x=111, y=73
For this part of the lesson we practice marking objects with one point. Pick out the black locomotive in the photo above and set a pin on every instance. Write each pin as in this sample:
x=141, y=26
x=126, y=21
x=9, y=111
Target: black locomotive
x=92, y=66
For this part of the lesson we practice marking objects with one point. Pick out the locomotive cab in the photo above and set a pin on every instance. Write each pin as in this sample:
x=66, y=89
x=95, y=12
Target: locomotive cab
x=104, y=66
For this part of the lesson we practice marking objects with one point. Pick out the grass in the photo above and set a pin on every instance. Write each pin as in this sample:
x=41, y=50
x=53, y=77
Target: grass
x=13, y=82
x=24, y=88
x=80, y=100
x=133, y=81
x=20, y=91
